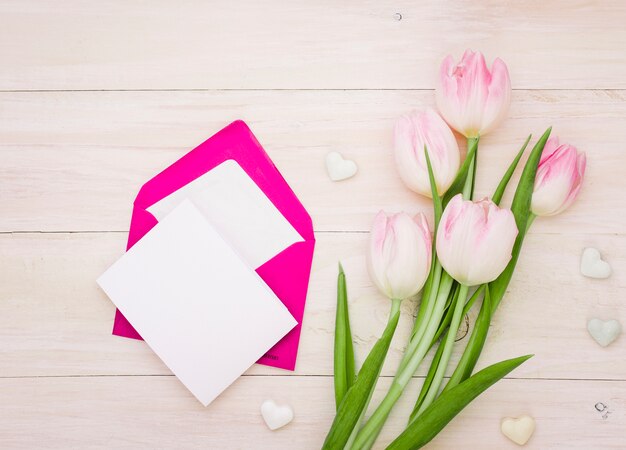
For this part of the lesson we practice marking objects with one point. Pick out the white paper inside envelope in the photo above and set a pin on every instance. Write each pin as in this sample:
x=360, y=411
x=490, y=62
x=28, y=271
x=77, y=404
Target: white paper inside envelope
x=243, y=215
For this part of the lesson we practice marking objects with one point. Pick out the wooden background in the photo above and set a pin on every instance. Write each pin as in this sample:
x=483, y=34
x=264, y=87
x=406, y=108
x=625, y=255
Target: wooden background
x=96, y=97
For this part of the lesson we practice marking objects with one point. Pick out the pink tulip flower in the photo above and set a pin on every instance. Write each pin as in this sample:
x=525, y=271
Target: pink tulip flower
x=475, y=240
x=559, y=178
x=399, y=255
x=472, y=98
x=414, y=131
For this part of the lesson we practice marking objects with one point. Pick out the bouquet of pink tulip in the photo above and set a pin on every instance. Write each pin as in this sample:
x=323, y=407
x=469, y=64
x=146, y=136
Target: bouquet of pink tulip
x=476, y=247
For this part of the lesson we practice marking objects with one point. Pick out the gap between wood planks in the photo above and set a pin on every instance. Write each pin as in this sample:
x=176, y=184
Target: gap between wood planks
x=538, y=233
x=19, y=377
x=8, y=91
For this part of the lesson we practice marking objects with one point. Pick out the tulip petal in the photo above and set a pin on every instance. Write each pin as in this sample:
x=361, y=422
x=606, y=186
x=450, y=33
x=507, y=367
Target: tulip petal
x=499, y=97
x=411, y=133
x=470, y=97
x=475, y=240
x=551, y=146
x=559, y=178
x=400, y=254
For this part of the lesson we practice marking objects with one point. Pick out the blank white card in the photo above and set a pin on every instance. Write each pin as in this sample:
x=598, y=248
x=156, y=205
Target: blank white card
x=202, y=310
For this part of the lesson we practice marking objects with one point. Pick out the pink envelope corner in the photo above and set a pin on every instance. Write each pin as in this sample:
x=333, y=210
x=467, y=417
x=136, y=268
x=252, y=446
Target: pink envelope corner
x=287, y=274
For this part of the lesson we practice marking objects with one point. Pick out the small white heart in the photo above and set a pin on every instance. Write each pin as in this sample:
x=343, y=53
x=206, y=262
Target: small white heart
x=339, y=168
x=276, y=416
x=592, y=265
x=604, y=331
x=518, y=429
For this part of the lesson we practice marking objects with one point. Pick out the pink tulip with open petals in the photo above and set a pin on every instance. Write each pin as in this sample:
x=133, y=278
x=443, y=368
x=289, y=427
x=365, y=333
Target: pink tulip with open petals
x=412, y=133
x=475, y=240
x=472, y=98
x=400, y=254
x=559, y=178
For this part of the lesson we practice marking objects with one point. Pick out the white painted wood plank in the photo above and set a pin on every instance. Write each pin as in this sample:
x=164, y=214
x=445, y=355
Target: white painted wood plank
x=75, y=161
x=54, y=320
x=325, y=44
x=157, y=412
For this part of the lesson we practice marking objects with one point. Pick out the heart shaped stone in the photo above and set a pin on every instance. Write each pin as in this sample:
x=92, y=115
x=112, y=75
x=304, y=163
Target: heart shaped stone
x=604, y=331
x=276, y=416
x=592, y=265
x=339, y=168
x=518, y=429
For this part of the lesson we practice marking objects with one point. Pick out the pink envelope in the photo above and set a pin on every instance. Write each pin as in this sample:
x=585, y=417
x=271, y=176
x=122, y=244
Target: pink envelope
x=287, y=274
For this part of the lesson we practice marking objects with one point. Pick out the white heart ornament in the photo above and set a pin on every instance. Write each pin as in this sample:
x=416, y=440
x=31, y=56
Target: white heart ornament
x=276, y=416
x=604, y=331
x=339, y=168
x=518, y=429
x=592, y=265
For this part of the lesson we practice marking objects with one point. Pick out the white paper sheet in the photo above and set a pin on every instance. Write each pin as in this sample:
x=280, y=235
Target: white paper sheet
x=239, y=211
x=202, y=310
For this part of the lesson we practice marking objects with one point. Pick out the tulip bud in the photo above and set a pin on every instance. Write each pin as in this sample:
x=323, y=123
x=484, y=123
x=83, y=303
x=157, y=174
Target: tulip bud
x=471, y=98
x=475, y=240
x=412, y=133
x=400, y=254
x=559, y=178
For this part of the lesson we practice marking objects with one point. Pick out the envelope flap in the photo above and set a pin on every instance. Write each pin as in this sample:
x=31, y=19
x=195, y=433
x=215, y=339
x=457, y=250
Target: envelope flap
x=235, y=142
x=287, y=274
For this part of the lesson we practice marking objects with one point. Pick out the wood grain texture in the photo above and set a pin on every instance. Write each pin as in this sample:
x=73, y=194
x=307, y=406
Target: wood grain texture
x=71, y=44
x=55, y=320
x=148, y=412
x=74, y=161
x=97, y=98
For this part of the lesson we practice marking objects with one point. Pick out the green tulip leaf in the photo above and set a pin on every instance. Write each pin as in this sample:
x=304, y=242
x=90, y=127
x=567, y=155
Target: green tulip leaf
x=497, y=195
x=356, y=399
x=344, y=352
x=521, y=210
x=437, y=206
x=450, y=403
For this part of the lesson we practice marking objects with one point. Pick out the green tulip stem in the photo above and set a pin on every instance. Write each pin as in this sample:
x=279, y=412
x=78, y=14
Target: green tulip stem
x=447, y=350
x=429, y=305
x=468, y=187
x=395, y=307
x=373, y=426
x=529, y=222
